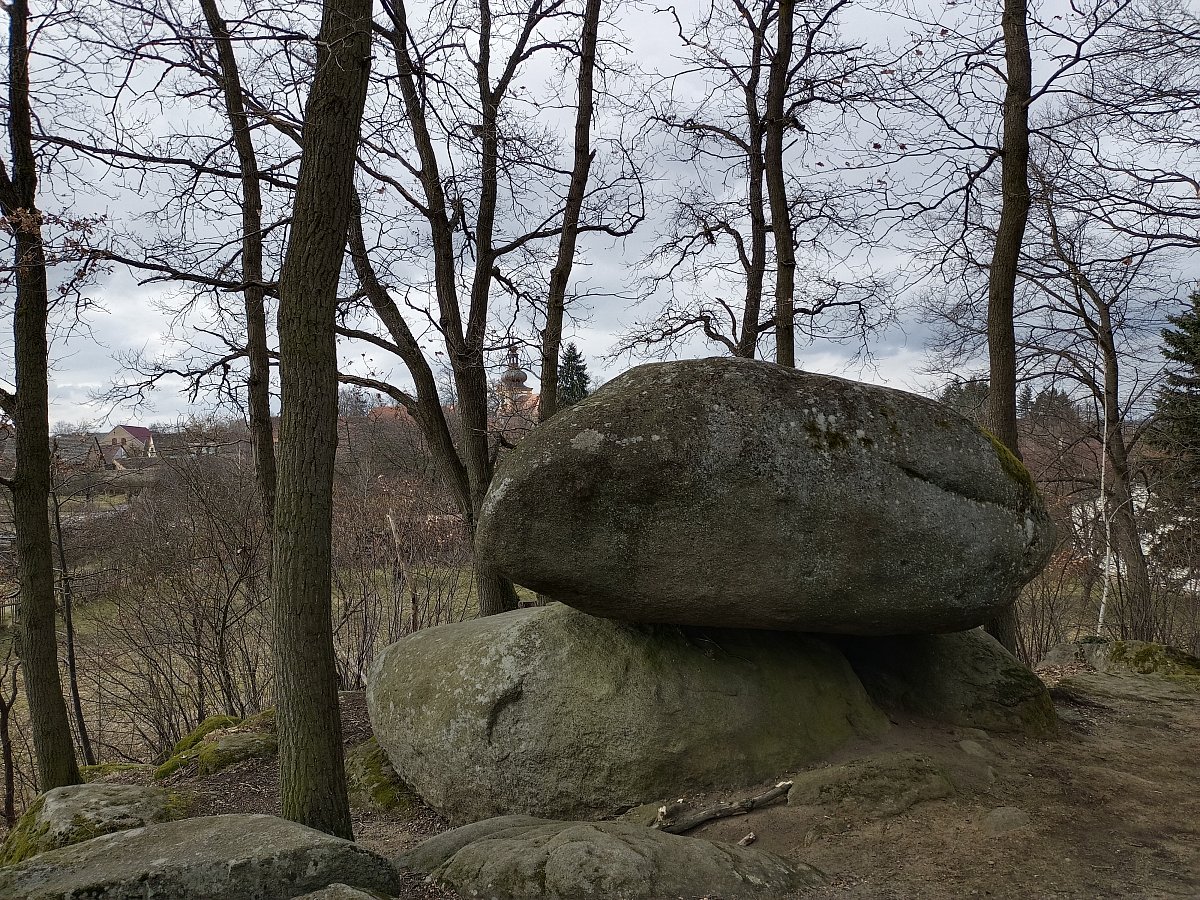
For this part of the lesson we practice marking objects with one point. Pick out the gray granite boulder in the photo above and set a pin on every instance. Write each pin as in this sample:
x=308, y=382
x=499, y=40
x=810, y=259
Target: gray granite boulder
x=552, y=712
x=69, y=815
x=966, y=679
x=234, y=857
x=737, y=493
x=517, y=859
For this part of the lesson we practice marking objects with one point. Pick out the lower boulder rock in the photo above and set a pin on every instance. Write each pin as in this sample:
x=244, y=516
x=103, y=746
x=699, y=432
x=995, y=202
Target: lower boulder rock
x=966, y=678
x=70, y=815
x=514, y=858
x=552, y=712
x=234, y=857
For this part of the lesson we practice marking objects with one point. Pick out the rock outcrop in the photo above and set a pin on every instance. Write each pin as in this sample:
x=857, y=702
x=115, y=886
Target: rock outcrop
x=235, y=857
x=70, y=815
x=553, y=712
x=965, y=679
x=735, y=493
x=514, y=858
x=875, y=787
x=1126, y=658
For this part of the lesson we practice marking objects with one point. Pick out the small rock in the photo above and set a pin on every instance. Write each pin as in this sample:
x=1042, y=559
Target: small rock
x=373, y=783
x=974, y=748
x=570, y=860
x=1005, y=818
x=341, y=892
x=233, y=857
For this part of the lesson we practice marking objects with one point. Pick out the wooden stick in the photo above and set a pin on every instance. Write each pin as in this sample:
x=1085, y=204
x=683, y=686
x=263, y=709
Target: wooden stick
x=720, y=811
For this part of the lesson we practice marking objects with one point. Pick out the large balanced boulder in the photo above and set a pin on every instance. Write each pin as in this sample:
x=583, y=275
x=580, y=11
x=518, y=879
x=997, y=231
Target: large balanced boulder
x=235, y=857
x=966, y=679
x=70, y=815
x=738, y=493
x=552, y=712
x=514, y=858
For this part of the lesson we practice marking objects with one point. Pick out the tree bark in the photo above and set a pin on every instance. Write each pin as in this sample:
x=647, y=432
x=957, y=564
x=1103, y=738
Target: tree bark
x=1002, y=276
x=312, y=773
x=258, y=386
x=560, y=276
x=781, y=218
x=68, y=606
x=30, y=414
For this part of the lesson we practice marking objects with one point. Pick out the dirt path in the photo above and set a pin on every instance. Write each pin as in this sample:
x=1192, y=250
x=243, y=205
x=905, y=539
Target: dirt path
x=1113, y=807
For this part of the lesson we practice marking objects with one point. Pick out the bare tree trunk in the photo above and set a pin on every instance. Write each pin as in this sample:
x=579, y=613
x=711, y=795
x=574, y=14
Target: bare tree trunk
x=756, y=263
x=560, y=276
x=1137, y=594
x=8, y=699
x=312, y=772
x=64, y=576
x=1002, y=277
x=258, y=387
x=30, y=414
x=781, y=218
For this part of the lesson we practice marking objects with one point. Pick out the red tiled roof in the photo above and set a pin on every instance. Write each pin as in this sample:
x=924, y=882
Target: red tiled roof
x=137, y=431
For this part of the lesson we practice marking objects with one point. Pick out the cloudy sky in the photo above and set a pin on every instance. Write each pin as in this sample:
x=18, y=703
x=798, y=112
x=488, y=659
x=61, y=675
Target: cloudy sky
x=129, y=317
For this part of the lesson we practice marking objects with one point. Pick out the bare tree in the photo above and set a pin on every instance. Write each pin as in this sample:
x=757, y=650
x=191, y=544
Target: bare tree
x=482, y=223
x=312, y=775
x=28, y=408
x=762, y=89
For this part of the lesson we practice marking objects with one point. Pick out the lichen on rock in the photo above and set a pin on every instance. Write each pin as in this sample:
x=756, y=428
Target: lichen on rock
x=66, y=816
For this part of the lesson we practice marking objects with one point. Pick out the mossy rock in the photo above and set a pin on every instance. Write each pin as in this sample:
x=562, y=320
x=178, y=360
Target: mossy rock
x=70, y=815
x=1125, y=658
x=230, y=857
x=741, y=494
x=1142, y=658
x=875, y=787
x=100, y=771
x=552, y=711
x=203, y=730
x=221, y=741
x=373, y=782
x=217, y=752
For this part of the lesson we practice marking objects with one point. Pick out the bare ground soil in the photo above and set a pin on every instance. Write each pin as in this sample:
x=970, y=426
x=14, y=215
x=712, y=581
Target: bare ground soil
x=1113, y=806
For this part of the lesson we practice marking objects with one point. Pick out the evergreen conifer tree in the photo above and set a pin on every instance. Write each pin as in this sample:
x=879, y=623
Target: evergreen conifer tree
x=573, y=378
x=1178, y=404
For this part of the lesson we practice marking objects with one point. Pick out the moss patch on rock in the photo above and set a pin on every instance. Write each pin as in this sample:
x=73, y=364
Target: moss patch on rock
x=373, y=782
x=1144, y=658
x=67, y=816
x=203, y=730
x=100, y=771
x=1012, y=466
x=215, y=745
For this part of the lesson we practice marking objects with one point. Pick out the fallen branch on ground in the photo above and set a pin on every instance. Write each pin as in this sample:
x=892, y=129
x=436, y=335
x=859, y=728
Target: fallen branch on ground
x=667, y=822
